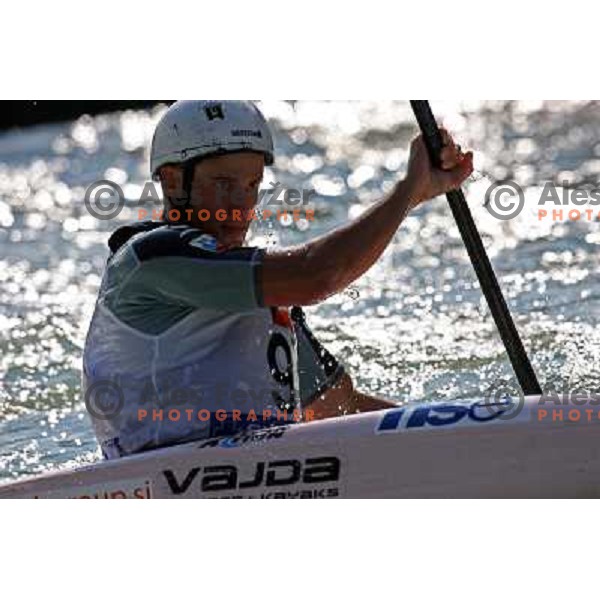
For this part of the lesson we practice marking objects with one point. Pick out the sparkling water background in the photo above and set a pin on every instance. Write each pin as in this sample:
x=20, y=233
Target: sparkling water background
x=415, y=327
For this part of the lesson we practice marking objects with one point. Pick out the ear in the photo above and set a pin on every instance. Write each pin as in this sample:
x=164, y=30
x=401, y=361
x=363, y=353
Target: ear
x=171, y=180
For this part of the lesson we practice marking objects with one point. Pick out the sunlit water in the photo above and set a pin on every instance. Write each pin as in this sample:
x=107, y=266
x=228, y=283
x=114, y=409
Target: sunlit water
x=414, y=327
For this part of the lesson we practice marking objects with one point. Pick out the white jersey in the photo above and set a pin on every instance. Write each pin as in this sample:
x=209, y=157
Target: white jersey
x=181, y=347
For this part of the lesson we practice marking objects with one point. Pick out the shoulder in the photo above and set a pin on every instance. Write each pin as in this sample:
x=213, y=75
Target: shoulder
x=167, y=241
x=185, y=242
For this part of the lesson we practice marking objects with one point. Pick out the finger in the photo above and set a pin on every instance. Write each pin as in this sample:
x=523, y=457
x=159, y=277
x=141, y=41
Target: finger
x=450, y=158
x=453, y=178
x=446, y=137
x=462, y=170
x=447, y=141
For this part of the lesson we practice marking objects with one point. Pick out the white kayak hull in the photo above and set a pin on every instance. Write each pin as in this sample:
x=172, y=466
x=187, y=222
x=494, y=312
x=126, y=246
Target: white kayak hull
x=445, y=450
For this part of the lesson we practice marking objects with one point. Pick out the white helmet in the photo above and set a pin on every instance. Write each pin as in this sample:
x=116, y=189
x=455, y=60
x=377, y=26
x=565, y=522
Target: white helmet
x=195, y=128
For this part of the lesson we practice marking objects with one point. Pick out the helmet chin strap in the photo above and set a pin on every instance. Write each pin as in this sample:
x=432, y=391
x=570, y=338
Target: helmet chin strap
x=187, y=181
x=188, y=169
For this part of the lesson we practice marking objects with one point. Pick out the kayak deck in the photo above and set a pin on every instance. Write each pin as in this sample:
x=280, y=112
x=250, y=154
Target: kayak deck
x=460, y=449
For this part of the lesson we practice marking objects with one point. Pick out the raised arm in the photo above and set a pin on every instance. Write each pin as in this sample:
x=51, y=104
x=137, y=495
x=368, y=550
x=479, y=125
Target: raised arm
x=307, y=274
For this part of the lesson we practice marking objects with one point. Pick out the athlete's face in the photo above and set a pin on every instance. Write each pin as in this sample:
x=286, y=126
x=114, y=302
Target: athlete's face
x=227, y=188
x=224, y=190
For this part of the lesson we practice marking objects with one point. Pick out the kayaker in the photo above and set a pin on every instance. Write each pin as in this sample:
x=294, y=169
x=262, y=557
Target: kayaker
x=189, y=317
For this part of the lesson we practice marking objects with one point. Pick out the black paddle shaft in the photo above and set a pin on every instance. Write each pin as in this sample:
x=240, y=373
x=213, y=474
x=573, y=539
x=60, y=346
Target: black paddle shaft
x=479, y=258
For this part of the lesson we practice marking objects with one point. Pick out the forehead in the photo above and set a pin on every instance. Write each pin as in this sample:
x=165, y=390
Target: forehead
x=236, y=164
